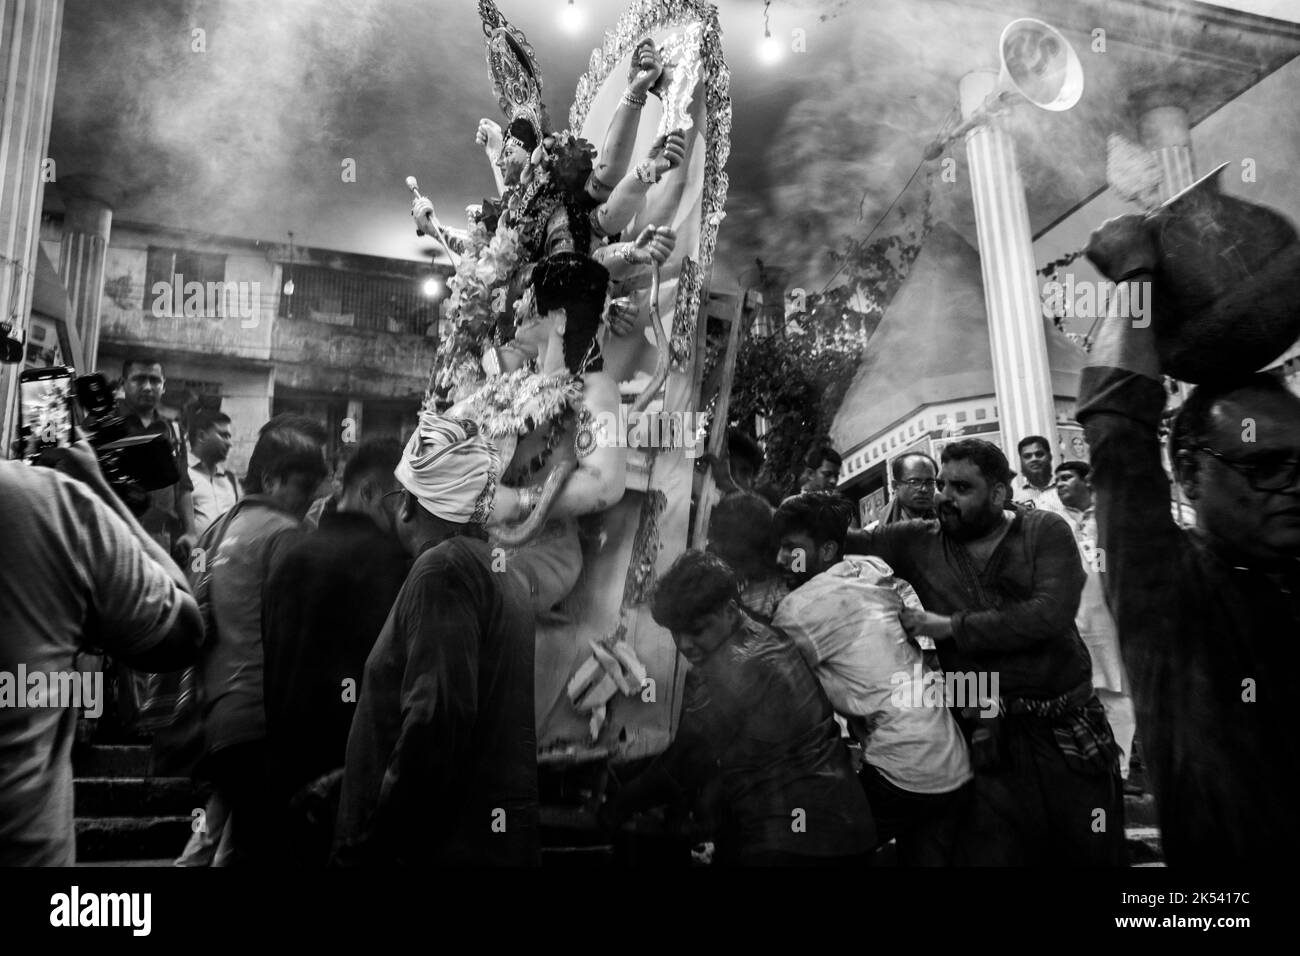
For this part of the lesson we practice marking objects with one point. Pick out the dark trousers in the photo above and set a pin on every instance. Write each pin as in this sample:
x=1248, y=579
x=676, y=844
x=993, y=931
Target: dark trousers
x=924, y=825
x=1036, y=808
x=239, y=775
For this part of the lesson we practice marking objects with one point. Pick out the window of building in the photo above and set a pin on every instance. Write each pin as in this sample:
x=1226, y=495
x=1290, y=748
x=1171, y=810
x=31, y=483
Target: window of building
x=961, y=416
x=384, y=303
x=176, y=268
x=980, y=414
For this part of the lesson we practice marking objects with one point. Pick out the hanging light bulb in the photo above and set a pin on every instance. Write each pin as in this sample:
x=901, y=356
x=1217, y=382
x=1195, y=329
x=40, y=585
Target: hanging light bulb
x=432, y=286
x=288, y=286
x=769, y=51
x=571, y=18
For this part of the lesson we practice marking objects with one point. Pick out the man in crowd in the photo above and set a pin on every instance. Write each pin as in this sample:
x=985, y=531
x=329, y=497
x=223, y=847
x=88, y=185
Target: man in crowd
x=821, y=470
x=441, y=762
x=76, y=571
x=913, y=480
x=325, y=605
x=286, y=468
x=757, y=726
x=1095, y=622
x=1037, y=489
x=216, y=489
x=843, y=615
x=741, y=533
x=1002, y=587
x=1208, y=616
x=167, y=513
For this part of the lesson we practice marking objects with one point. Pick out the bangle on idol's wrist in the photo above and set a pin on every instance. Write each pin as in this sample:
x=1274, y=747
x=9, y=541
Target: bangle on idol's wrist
x=634, y=100
x=528, y=498
x=626, y=253
x=647, y=172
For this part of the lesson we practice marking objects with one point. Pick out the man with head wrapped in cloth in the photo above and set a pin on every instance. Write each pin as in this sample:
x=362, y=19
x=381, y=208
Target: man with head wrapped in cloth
x=441, y=761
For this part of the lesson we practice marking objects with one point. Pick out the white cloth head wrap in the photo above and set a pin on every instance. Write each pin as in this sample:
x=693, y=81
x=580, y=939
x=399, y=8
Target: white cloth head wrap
x=450, y=468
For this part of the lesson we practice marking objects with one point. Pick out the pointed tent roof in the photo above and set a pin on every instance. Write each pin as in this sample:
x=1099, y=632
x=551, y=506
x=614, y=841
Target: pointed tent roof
x=933, y=345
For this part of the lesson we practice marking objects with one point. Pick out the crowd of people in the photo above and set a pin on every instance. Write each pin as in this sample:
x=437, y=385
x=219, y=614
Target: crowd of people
x=961, y=680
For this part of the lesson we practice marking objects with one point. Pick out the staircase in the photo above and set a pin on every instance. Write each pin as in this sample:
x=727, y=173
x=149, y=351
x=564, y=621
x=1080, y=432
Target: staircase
x=128, y=817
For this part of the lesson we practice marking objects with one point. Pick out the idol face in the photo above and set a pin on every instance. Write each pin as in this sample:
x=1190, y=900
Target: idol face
x=513, y=159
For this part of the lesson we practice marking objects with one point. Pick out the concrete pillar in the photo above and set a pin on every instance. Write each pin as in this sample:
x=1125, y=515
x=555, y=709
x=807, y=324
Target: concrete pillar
x=1021, y=375
x=86, y=226
x=29, y=57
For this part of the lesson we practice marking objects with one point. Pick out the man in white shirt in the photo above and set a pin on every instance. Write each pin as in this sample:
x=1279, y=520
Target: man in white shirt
x=843, y=615
x=216, y=489
x=1036, y=489
x=1094, y=620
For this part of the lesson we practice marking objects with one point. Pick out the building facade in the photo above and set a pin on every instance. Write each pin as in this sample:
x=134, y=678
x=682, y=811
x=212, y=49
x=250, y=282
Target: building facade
x=257, y=329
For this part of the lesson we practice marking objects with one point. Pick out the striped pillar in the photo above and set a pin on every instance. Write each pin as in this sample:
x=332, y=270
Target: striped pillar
x=86, y=225
x=1165, y=132
x=1021, y=375
x=29, y=57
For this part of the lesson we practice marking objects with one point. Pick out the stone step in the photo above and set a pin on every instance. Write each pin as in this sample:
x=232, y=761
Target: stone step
x=135, y=796
x=1143, y=846
x=1139, y=810
x=577, y=857
x=97, y=760
x=117, y=864
x=131, y=838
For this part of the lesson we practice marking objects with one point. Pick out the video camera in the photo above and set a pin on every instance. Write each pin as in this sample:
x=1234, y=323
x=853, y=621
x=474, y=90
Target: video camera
x=51, y=399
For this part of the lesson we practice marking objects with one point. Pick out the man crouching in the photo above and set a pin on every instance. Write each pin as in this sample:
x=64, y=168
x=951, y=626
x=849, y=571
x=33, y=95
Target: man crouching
x=756, y=725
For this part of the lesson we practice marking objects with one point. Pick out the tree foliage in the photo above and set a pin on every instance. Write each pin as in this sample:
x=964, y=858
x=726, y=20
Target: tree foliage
x=795, y=375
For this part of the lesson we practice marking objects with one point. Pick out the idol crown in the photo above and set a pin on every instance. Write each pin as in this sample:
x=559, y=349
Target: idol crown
x=512, y=64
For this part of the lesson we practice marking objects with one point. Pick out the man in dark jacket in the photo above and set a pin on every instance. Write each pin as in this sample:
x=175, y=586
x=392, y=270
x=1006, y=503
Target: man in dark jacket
x=1208, y=617
x=325, y=605
x=1002, y=588
x=757, y=730
x=441, y=762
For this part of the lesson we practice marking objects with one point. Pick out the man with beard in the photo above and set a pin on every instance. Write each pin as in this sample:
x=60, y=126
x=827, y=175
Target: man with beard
x=1002, y=586
x=1037, y=490
x=1208, y=616
x=914, y=476
x=843, y=615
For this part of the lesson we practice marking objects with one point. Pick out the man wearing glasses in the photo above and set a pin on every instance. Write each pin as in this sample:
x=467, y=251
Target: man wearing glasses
x=913, y=487
x=1209, y=617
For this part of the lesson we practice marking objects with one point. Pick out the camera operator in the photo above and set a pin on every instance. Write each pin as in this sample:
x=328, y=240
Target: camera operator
x=76, y=571
x=167, y=513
